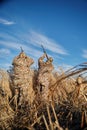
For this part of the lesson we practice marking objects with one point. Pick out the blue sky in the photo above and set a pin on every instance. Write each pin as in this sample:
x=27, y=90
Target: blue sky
x=60, y=25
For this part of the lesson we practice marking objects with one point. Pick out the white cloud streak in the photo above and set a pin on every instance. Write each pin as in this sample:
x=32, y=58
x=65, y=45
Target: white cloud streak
x=84, y=55
x=66, y=66
x=39, y=39
x=34, y=40
x=5, y=66
x=4, y=51
x=6, y=22
x=63, y=67
x=31, y=44
x=27, y=49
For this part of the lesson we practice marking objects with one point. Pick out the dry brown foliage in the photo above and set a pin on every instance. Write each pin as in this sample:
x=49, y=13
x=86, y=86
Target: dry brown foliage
x=64, y=109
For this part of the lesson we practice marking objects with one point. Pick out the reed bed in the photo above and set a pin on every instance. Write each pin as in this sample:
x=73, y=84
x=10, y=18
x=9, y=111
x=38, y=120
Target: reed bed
x=64, y=109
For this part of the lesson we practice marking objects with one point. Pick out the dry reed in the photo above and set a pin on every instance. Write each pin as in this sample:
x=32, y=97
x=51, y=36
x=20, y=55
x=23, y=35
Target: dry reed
x=65, y=107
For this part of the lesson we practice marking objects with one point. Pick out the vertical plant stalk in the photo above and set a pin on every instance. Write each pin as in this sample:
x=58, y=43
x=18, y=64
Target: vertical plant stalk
x=59, y=128
x=45, y=123
x=49, y=116
x=86, y=117
x=15, y=100
x=82, y=119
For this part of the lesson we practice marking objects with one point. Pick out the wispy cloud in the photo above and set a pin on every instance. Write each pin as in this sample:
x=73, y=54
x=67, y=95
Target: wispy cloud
x=84, y=55
x=5, y=66
x=16, y=46
x=31, y=44
x=66, y=66
x=63, y=67
x=38, y=39
x=33, y=40
x=6, y=22
x=4, y=51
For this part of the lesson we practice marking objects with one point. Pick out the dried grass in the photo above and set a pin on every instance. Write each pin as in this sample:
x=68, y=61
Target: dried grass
x=5, y=84
x=6, y=112
x=64, y=109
